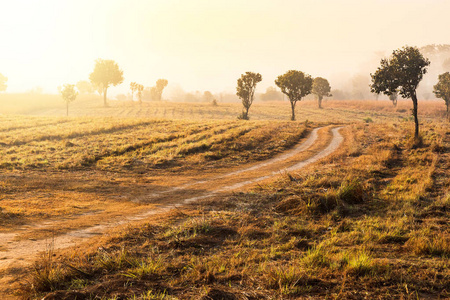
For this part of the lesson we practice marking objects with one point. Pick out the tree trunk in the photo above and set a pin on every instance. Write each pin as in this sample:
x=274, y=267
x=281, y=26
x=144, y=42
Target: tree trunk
x=320, y=101
x=293, y=110
x=105, y=90
x=416, y=120
x=67, y=109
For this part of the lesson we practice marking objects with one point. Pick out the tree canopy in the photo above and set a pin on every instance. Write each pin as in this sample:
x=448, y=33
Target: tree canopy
x=85, y=87
x=271, y=94
x=157, y=90
x=321, y=88
x=139, y=88
x=133, y=88
x=245, y=90
x=401, y=73
x=442, y=90
x=296, y=85
x=69, y=94
x=106, y=73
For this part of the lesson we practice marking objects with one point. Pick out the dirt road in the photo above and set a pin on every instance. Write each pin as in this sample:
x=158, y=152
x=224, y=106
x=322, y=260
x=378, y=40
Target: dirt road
x=16, y=254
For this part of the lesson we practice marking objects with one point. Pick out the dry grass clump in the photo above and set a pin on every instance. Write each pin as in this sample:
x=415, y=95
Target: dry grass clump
x=427, y=242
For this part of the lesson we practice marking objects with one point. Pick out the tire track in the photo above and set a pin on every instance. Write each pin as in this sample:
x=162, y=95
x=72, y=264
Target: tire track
x=22, y=253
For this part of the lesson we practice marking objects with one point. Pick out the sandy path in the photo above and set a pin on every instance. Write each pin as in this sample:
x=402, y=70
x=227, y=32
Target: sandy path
x=19, y=253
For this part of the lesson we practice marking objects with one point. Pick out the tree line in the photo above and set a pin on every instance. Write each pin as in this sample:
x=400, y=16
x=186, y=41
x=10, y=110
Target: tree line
x=294, y=84
x=107, y=73
x=398, y=75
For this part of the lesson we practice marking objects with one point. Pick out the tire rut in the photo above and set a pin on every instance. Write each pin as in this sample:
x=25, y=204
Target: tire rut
x=22, y=253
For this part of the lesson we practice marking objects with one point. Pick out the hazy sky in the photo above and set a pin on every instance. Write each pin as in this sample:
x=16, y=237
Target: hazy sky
x=207, y=44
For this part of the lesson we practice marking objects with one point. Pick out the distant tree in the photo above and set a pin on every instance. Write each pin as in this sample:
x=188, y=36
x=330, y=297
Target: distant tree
x=69, y=94
x=360, y=87
x=106, y=73
x=139, y=89
x=85, y=87
x=442, y=90
x=121, y=97
x=157, y=90
x=296, y=85
x=438, y=55
x=446, y=65
x=393, y=97
x=401, y=73
x=3, y=80
x=153, y=93
x=271, y=94
x=207, y=96
x=339, y=94
x=245, y=90
x=133, y=88
x=321, y=88
x=37, y=90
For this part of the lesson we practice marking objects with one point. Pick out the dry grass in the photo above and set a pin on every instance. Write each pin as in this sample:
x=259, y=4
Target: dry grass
x=77, y=172
x=369, y=221
x=310, y=234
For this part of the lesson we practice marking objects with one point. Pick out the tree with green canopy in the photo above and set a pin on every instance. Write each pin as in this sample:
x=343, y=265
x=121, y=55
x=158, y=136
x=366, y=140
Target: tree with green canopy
x=401, y=73
x=321, y=88
x=106, y=73
x=245, y=90
x=295, y=85
x=442, y=90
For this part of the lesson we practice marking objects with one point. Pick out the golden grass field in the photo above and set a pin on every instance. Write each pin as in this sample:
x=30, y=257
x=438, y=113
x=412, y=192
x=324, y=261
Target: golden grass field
x=369, y=221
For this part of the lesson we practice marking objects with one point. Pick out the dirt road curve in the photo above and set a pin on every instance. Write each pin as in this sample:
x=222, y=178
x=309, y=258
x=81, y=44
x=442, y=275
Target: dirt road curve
x=19, y=253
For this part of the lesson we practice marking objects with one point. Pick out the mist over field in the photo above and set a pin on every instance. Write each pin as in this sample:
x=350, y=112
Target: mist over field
x=203, y=46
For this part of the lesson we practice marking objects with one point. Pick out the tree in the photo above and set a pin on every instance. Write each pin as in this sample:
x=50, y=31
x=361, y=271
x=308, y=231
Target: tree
x=3, y=80
x=139, y=89
x=360, y=87
x=442, y=90
x=133, y=88
x=393, y=97
x=85, y=87
x=207, y=96
x=245, y=90
x=296, y=85
x=106, y=73
x=69, y=94
x=446, y=65
x=157, y=90
x=321, y=88
x=401, y=73
x=271, y=94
